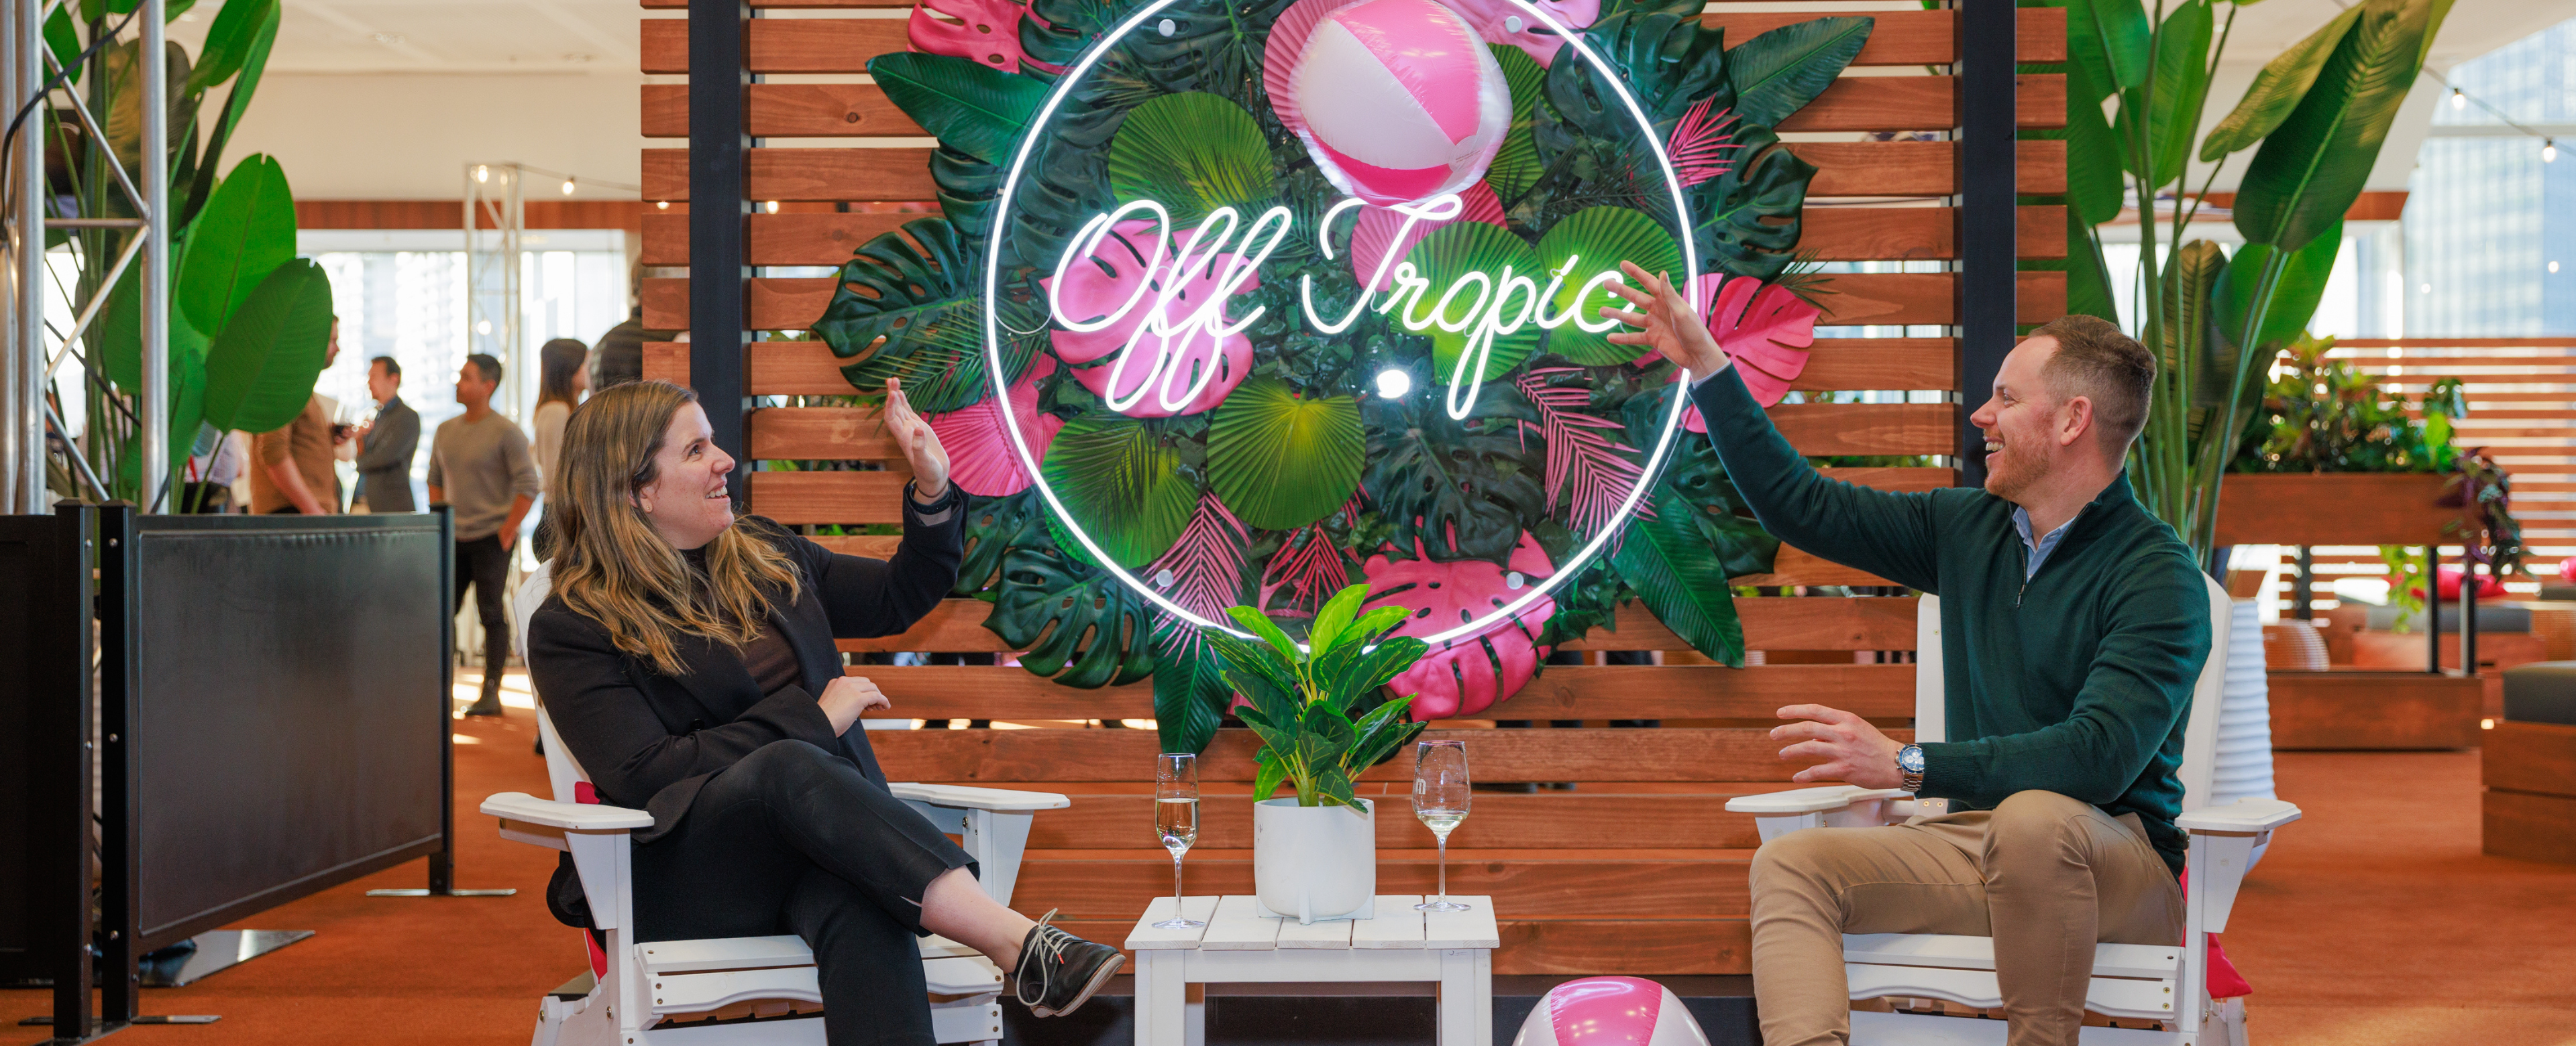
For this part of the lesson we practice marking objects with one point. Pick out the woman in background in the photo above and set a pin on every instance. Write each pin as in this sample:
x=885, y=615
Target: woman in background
x=563, y=375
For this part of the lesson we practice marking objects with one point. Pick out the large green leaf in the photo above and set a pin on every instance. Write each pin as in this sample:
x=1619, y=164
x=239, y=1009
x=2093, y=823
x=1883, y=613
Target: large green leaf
x=2088, y=276
x=2182, y=81
x=1080, y=625
x=125, y=107
x=1746, y=222
x=2311, y=169
x=117, y=336
x=2093, y=154
x=187, y=422
x=1777, y=73
x=1123, y=483
x=1445, y=258
x=2189, y=345
x=993, y=525
x=246, y=231
x=2110, y=36
x=1190, y=692
x=1281, y=462
x=910, y=306
x=229, y=42
x=1680, y=577
x=1516, y=166
x=1667, y=62
x=2296, y=292
x=260, y=367
x=236, y=102
x=2277, y=89
x=1211, y=45
x=1460, y=488
x=1594, y=239
x=1192, y=152
x=969, y=106
x=64, y=41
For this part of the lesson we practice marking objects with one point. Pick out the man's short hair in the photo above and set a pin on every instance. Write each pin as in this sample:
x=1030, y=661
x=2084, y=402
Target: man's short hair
x=392, y=368
x=2098, y=362
x=488, y=364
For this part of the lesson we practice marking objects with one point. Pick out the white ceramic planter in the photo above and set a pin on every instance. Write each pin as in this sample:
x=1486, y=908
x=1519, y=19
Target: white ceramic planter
x=1313, y=863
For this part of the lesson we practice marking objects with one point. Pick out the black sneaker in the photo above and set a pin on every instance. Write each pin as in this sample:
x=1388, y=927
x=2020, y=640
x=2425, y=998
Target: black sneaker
x=1064, y=969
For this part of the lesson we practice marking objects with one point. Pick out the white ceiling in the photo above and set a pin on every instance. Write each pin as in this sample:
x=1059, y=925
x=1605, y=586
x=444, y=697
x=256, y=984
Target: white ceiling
x=443, y=36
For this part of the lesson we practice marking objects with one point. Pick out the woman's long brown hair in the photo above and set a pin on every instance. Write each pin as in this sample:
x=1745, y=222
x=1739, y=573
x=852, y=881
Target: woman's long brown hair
x=614, y=567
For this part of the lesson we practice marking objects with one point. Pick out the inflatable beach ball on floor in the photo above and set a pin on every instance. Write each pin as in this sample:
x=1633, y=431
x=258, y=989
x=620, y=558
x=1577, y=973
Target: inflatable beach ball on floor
x=1610, y=1011
x=1397, y=100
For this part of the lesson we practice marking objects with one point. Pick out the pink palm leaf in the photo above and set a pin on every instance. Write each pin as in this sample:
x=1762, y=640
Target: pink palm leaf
x=1309, y=566
x=1701, y=141
x=1203, y=570
x=1579, y=459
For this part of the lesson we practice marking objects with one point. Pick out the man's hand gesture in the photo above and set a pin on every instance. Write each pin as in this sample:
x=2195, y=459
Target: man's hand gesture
x=1666, y=322
x=1855, y=752
x=920, y=445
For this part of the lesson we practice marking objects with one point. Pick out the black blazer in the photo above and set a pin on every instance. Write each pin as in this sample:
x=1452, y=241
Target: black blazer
x=651, y=740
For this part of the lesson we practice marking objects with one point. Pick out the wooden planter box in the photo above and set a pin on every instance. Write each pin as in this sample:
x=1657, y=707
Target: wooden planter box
x=2374, y=710
x=2333, y=508
x=2530, y=802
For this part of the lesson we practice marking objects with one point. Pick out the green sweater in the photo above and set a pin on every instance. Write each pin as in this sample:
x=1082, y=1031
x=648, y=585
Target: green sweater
x=2077, y=682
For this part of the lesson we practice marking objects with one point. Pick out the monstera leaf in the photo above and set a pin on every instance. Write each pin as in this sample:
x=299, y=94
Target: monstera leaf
x=1193, y=153
x=1779, y=72
x=260, y=369
x=1591, y=238
x=1681, y=577
x=1123, y=482
x=1281, y=462
x=1460, y=489
x=970, y=106
x=1467, y=674
x=1746, y=221
x=910, y=306
x=1081, y=626
x=1516, y=166
x=1445, y=258
x=1191, y=45
x=1668, y=61
x=993, y=525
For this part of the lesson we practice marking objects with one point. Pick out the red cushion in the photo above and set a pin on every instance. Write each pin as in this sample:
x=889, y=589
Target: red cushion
x=2224, y=981
x=582, y=792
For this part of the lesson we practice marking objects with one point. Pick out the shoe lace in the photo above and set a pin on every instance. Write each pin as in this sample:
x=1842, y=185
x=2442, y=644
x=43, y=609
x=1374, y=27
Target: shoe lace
x=1045, y=948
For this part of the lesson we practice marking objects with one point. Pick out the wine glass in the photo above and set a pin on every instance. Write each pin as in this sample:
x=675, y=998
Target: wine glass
x=1176, y=822
x=1440, y=798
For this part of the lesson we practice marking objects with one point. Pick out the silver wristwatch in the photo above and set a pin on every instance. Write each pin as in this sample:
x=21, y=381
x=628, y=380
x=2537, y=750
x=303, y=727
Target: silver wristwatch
x=1909, y=764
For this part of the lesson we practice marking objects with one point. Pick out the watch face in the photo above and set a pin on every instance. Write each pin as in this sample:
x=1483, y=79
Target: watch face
x=1910, y=759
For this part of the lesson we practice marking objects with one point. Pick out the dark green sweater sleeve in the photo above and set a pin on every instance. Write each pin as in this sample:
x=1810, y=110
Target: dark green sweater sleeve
x=1888, y=534
x=2139, y=686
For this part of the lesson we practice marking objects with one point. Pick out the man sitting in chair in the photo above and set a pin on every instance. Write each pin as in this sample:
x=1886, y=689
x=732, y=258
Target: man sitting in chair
x=2073, y=627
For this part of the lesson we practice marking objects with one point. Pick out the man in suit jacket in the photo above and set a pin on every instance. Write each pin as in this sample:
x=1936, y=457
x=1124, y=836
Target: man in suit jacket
x=385, y=447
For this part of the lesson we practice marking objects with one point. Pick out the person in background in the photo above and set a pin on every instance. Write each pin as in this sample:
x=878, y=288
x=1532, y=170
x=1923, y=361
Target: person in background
x=618, y=355
x=479, y=463
x=295, y=472
x=385, y=446
x=563, y=376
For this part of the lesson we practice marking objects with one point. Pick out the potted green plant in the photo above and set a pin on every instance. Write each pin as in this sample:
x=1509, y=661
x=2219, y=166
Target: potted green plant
x=1314, y=855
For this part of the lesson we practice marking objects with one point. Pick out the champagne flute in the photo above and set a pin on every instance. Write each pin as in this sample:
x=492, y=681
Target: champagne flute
x=1176, y=822
x=1440, y=798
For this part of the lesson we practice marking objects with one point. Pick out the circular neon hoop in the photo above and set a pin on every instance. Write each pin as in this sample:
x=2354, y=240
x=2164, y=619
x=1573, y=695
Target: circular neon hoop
x=993, y=363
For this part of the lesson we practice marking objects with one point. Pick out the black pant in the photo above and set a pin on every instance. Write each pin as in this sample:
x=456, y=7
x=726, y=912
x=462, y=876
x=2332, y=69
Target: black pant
x=483, y=565
x=793, y=839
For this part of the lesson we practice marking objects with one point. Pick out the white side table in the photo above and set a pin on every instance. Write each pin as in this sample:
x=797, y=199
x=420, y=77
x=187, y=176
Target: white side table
x=1453, y=949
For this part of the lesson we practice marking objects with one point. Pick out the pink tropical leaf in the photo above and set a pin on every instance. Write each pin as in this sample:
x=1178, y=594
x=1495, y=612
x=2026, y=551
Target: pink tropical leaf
x=987, y=31
x=1308, y=567
x=1579, y=458
x=1701, y=141
x=980, y=456
x=1465, y=675
x=1106, y=281
x=1373, y=236
x=1765, y=329
x=1503, y=22
x=1203, y=570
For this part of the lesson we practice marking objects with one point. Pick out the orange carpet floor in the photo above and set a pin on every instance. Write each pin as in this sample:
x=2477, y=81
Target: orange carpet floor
x=2375, y=920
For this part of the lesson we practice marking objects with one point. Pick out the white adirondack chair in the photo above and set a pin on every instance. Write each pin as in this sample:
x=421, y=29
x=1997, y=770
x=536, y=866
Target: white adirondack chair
x=2134, y=982
x=649, y=981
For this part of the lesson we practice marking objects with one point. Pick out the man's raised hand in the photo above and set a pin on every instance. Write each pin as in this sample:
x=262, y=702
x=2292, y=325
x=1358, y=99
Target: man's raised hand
x=920, y=445
x=1855, y=752
x=1667, y=323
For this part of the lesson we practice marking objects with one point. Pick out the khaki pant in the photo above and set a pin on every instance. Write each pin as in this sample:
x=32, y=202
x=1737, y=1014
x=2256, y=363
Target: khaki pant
x=2045, y=875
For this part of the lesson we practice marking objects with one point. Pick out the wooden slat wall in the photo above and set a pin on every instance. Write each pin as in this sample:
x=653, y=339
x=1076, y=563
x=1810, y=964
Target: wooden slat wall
x=1636, y=870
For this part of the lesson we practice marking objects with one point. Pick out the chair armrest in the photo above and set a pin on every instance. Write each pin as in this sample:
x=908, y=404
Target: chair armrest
x=572, y=817
x=2242, y=817
x=996, y=799
x=1810, y=800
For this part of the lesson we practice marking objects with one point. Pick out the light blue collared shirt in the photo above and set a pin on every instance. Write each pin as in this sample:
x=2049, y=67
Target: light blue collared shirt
x=2041, y=547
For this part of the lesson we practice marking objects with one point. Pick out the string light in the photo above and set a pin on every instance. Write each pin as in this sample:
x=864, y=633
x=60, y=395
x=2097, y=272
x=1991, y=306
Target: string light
x=2459, y=100
x=2549, y=150
x=661, y=205
x=567, y=187
x=772, y=206
x=482, y=174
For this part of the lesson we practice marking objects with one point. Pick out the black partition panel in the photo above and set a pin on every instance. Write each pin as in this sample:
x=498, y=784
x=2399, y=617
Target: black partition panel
x=291, y=709
x=44, y=766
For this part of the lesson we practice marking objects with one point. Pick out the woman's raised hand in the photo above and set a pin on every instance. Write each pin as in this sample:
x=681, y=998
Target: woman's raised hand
x=1667, y=324
x=920, y=445
x=844, y=698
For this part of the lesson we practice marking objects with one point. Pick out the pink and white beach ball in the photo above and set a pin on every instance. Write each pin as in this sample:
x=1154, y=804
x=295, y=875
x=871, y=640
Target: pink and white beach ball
x=1610, y=1011
x=1397, y=100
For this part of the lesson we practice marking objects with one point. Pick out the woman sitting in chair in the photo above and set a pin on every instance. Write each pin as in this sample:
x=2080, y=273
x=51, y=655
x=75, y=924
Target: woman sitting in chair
x=686, y=657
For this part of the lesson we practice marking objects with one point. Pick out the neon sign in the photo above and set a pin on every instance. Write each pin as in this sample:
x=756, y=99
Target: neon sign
x=1224, y=253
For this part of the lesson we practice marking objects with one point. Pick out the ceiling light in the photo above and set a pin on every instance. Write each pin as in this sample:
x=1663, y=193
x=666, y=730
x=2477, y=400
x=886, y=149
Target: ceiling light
x=567, y=187
x=482, y=173
x=2458, y=101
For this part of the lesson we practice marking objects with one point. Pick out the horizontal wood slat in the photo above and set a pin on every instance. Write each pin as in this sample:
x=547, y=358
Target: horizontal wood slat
x=844, y=45
x=1559, y=692
x=1831, y=234
x=993, y=756
x=1770, y=623
x=1878, y=298
x=1919, y=168
x=808, y=368
x=1523, y=881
